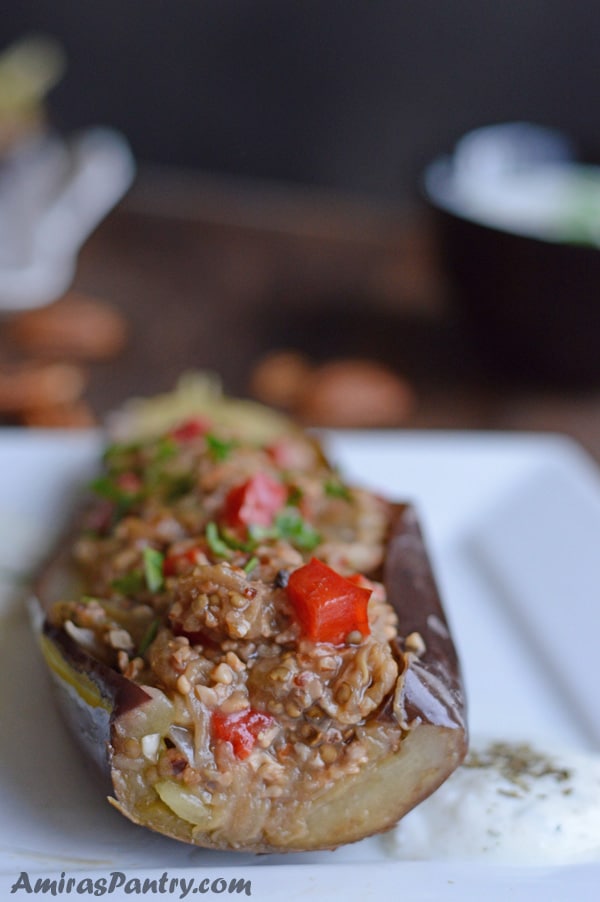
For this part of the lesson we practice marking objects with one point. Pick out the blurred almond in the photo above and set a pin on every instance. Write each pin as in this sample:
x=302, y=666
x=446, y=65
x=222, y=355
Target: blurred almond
x=60, y=416
x=29, y=386
x=76, y=327
x=355, y=393
x=280, y=377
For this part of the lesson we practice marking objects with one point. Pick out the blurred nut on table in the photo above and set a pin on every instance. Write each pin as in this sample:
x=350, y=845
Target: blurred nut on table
x=76, y=415
x=279, y=379
x=342, y=393
x=77, y=327
x=28, y=385
x=47, y=360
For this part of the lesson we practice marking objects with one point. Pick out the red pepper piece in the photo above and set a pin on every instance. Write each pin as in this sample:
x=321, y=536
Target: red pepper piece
x=182, y=561
x=291, y=454
x=241, y=729
x=280, y=453
x=254, y=502
x=359, y=580
x=328, y=606
x=190, y=429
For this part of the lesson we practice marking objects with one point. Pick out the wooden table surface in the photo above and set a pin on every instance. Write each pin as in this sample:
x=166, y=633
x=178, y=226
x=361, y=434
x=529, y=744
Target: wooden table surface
x=212, y=274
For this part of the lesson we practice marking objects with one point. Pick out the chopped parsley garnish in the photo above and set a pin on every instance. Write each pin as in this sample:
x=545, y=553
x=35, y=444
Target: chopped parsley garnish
x=165, y=449
x=135, y=471
x=290, y=526
x=130, y=583
x=123, y=497
x=235, y=543
x=149, y=636
x=163, y=477
x=119, y=456
x=153, y=569
x=176, y=485
x=219, y=449
x=108, y=488
x=251, y=565
x=215, y=542
x=294, y=496
x=336, y=489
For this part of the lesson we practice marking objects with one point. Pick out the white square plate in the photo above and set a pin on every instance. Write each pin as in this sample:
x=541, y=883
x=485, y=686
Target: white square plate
x=513, y=527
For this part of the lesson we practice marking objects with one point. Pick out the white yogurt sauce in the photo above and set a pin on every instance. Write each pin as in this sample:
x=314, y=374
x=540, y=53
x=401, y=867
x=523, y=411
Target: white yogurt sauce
x=509, y=803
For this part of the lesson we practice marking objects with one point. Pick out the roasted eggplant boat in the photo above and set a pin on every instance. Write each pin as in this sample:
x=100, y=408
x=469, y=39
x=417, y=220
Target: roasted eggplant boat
x=251, y=648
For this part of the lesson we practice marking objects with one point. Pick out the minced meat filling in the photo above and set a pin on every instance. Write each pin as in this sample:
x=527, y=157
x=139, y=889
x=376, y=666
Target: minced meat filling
x=236, y=581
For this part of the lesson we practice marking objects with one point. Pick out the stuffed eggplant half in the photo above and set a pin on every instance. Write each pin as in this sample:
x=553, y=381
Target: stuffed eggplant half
x=253, y=650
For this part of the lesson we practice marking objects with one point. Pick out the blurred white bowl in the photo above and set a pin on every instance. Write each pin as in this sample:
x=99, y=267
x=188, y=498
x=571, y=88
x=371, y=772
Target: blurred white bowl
x=518, y=226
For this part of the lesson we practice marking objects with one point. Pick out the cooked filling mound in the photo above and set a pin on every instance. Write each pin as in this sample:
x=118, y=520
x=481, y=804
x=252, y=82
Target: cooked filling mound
x=237, y=583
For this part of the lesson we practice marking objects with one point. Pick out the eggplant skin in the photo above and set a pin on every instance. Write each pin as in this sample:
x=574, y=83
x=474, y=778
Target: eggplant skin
x=433, y=690
x=428, y=714
x=91, y=696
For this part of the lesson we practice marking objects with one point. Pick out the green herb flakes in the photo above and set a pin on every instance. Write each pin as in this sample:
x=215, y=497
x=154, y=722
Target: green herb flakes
x=149, y=637
x=153, y=569
x=334, y=488
x=130, y=583
x=251, y=565
x=215, y=542
x=294, y=496
x=290, y=526
x=219, y=449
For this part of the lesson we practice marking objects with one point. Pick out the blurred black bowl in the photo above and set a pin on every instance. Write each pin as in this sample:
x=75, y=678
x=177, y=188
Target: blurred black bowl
x=532, y=304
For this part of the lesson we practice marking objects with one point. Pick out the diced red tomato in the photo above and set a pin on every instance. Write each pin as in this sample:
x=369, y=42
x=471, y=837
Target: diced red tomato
x=255, y=502
x=290, y=454
x=241, y=729
x=190, y=429
x=328, y=606
x=178, y=562
x=278, y=451
x=286, y=454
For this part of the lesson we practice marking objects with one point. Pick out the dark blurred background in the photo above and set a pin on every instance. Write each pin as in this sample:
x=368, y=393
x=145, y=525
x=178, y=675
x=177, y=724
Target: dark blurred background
x=353, y=94
x=280, y=147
